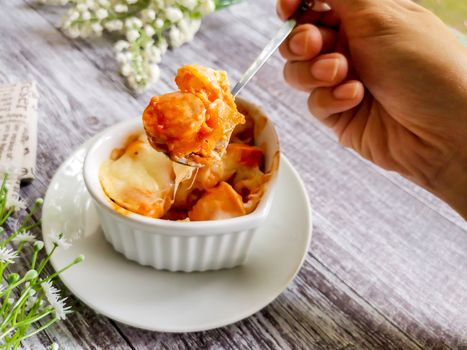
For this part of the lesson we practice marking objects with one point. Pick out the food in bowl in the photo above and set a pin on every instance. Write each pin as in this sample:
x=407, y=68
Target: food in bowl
x=193, y=125
x=172, y=217
x=142, y=180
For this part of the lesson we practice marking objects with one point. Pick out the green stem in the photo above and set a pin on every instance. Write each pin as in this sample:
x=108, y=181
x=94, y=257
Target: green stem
x=51, y=322
x=46, y=260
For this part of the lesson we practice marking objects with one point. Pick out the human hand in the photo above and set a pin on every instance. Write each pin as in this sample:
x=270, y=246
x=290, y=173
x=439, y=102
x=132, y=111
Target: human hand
x=391, y=80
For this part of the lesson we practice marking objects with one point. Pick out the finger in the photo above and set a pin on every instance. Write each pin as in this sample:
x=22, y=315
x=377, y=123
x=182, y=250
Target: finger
x=307, y=41
x=286, y=8
x=325, y=103
x=325, y=70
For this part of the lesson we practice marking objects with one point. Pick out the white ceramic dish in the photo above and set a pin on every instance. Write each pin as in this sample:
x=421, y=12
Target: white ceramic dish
x=167, y=301
x=176, y=245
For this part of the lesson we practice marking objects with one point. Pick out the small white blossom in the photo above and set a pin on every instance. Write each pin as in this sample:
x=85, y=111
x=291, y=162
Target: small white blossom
x=149, y=14
x=73, y=32
x=53, y=297
x=97, y=28
x=7, y=255
x=59, y=240
x=207, y=7
x=126, y=70
x=121, y=45
x=149, y=30
x=114, y=25
x=131, y=1
x=54, y=346
x=120, y=8
x=189, y=4
x=155, y=72
x=154, y=54
x=173, y=14
x=24, y=237
x=159, y=23
x=132, y=35
x=82, y=7
x=86, y=15
x=175, y=37
x=133, y=22
x=16, y=203
x=102, y=13
x=72, y=15
x=104, y=3
x=121, y=57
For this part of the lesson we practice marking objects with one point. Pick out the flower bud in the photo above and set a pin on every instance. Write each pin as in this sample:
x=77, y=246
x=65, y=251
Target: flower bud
x=13, y=278
x=31, y=274
x=38, y=245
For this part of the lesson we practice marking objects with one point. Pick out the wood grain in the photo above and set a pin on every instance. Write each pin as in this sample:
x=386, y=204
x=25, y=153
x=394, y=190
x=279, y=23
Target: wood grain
x=387, y=267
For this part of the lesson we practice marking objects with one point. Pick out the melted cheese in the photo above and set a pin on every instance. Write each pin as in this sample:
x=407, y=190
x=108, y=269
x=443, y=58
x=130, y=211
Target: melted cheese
x=140, y=180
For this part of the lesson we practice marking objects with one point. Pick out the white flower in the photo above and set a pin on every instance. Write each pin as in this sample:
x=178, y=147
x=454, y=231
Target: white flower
x=53, y=297
x=175, y=37
x=155, y=72
x=7, y=255
x=173, y=14
x=102, y=13
x=132, y=35
x=149, y=14
x=189, y=4
x=159, y=23
x=133, y=22
x=120, y=8
x=97, y=28
x=86, y=15
x=82, y=7
x=16, y=203
x=24, y=237
x=149, y=30
x=73, y=32
x=121, y=45
x=59, y=240
x=114, y=25
x=54, y=346
x=154, y=54
x=207, y=7
x=126, y=70
x=104, y=3
x=72, y=15
x=132, y=1
x=121, y=57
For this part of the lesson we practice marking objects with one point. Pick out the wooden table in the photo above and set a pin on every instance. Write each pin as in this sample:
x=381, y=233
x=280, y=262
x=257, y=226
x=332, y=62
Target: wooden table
x=387, y=267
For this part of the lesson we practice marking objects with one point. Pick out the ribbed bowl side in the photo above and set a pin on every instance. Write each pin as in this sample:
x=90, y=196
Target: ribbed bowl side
x=169, y=251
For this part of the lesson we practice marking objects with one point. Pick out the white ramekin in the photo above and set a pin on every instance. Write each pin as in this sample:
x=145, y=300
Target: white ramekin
x=174, y=245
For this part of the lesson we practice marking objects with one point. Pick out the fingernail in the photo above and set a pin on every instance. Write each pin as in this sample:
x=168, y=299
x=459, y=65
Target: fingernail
x=298, y=43
x=321, y=6
x=325, y=69
x=346, y=91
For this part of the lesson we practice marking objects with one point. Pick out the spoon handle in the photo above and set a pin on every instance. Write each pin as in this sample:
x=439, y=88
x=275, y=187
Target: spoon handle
x=271, y=47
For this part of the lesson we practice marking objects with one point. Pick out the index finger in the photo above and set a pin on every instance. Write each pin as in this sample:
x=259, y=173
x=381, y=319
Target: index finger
x=286, y=8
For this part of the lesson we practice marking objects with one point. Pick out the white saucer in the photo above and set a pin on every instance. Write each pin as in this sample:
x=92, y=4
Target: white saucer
x=166, y=301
